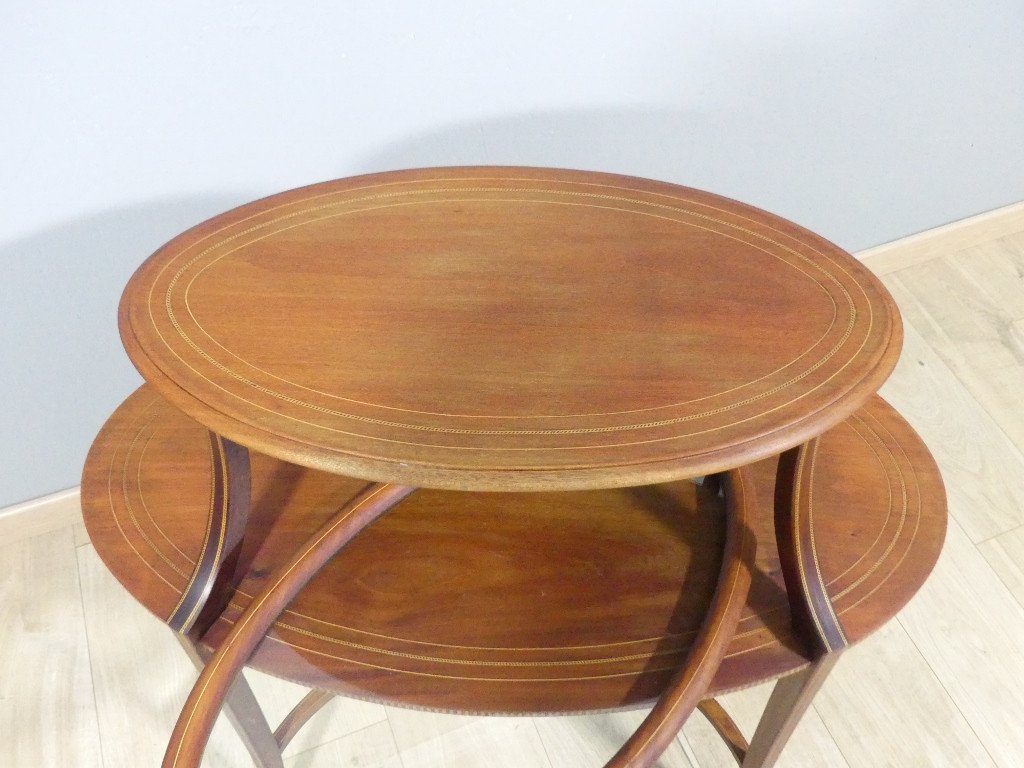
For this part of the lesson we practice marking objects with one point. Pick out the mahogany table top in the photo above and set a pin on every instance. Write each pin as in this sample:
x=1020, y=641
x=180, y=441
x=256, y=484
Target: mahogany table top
x=509, y=329
x=516, y=601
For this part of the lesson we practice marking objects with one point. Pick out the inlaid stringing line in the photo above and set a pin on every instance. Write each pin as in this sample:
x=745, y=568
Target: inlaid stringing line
x=451, y=430
x=145, y=508
x=216, y=470
x=757, y=234
x=171, y=315
x=797, y=488
x=207, y=356
x=842, y=611
x=126, y=496
x=851, y=423
x=708, y=650
x=818, y=576
x=917, y=517
x=254, y=609
x=894, y=470
x=354, y=630
x=206, y=538
x=342, y=431
x=113, y=506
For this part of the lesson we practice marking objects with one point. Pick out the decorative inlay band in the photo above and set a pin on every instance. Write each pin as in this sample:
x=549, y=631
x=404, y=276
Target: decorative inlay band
x=753, y=635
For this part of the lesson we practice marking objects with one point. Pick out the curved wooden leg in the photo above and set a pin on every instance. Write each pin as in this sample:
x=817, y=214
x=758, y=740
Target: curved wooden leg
x=813, y=616
x=726, y=728
x=244, y=713
x=215, y=575
x=687, y=688
x=790, y=698
x=192, y=730
x=310, y=704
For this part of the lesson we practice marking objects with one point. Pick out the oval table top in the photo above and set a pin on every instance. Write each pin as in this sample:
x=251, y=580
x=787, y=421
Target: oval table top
x=516, y=602
x=509, y=329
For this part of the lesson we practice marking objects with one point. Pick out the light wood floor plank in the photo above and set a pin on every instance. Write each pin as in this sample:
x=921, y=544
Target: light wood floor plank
x=810, y=746
x=141, y=676
x=885, y=708
x=969, y=308
x=142, y=679
x=47, y=710
x=340, y=718
x=81, y=535
x=432, y=740
x=412, y=727
x=591, y=740
x=1005, y=555
x=969, y=627
x=982, y=468
x=370, y=747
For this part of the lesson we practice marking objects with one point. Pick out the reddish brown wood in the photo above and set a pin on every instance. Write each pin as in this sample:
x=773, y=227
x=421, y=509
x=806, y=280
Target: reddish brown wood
x=300, y=714
x=216, y=572
x=789, y=701
x=809, y=602
x=726, y=728
x=511, y=609
x=688, y=685
x=509, y=329
x=195, y=722
x=684, y=690
x=243, y=712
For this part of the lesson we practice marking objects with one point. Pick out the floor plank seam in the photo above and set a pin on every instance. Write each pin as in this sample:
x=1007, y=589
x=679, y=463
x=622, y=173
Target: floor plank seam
x=88, y=646
x=1018, y=450
x=391, y=733
x=949, y=693
x=543, y=745
x=824, y=724
x=995, y=536
x=1014, y=451
x=350, y=734
x=688, y=751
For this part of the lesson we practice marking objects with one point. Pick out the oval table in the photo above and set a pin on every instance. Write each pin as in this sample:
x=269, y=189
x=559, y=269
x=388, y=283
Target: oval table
x=519, y=343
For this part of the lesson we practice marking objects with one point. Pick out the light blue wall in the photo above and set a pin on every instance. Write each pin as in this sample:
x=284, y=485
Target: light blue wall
x=125, y=125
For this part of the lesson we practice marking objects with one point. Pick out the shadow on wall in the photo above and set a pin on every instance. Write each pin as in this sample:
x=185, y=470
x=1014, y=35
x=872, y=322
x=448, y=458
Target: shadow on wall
x=728, y=150
x=64, y=369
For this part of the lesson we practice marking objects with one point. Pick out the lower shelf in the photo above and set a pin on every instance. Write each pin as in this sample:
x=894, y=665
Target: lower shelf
x=515, y=602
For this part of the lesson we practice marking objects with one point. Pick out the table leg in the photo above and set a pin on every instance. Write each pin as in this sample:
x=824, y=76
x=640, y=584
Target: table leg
x=813, y=616
x=215, y=573
x=689, y=684
x=726, y=727
x=192, y=730
x=790, y=698
x=309, y=705
x=243, y=712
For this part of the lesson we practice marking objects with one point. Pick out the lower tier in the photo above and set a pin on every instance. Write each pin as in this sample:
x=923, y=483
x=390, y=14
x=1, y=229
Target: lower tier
x=516, y=602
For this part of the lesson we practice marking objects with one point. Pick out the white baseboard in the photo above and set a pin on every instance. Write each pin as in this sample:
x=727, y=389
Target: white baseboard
x=949, y=238
x=38, y=516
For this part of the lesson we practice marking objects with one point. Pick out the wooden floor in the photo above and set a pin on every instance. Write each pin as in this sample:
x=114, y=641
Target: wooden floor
x=943, y=685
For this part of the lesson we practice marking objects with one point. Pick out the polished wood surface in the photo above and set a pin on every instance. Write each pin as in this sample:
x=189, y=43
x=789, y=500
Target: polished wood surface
x=219, y=677
x=935, y=682
x=217, y=571
x=509, y=328
x=522, y=601
x=692, y=679
x=243, y=711
x=195, y=723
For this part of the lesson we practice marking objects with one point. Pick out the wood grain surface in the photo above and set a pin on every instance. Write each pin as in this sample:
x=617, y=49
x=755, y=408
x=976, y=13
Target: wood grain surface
x=509, y=329
x=516, y=601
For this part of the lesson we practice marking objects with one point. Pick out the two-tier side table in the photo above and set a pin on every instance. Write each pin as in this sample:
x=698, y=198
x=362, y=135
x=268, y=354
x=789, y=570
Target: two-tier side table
x=587, y=401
